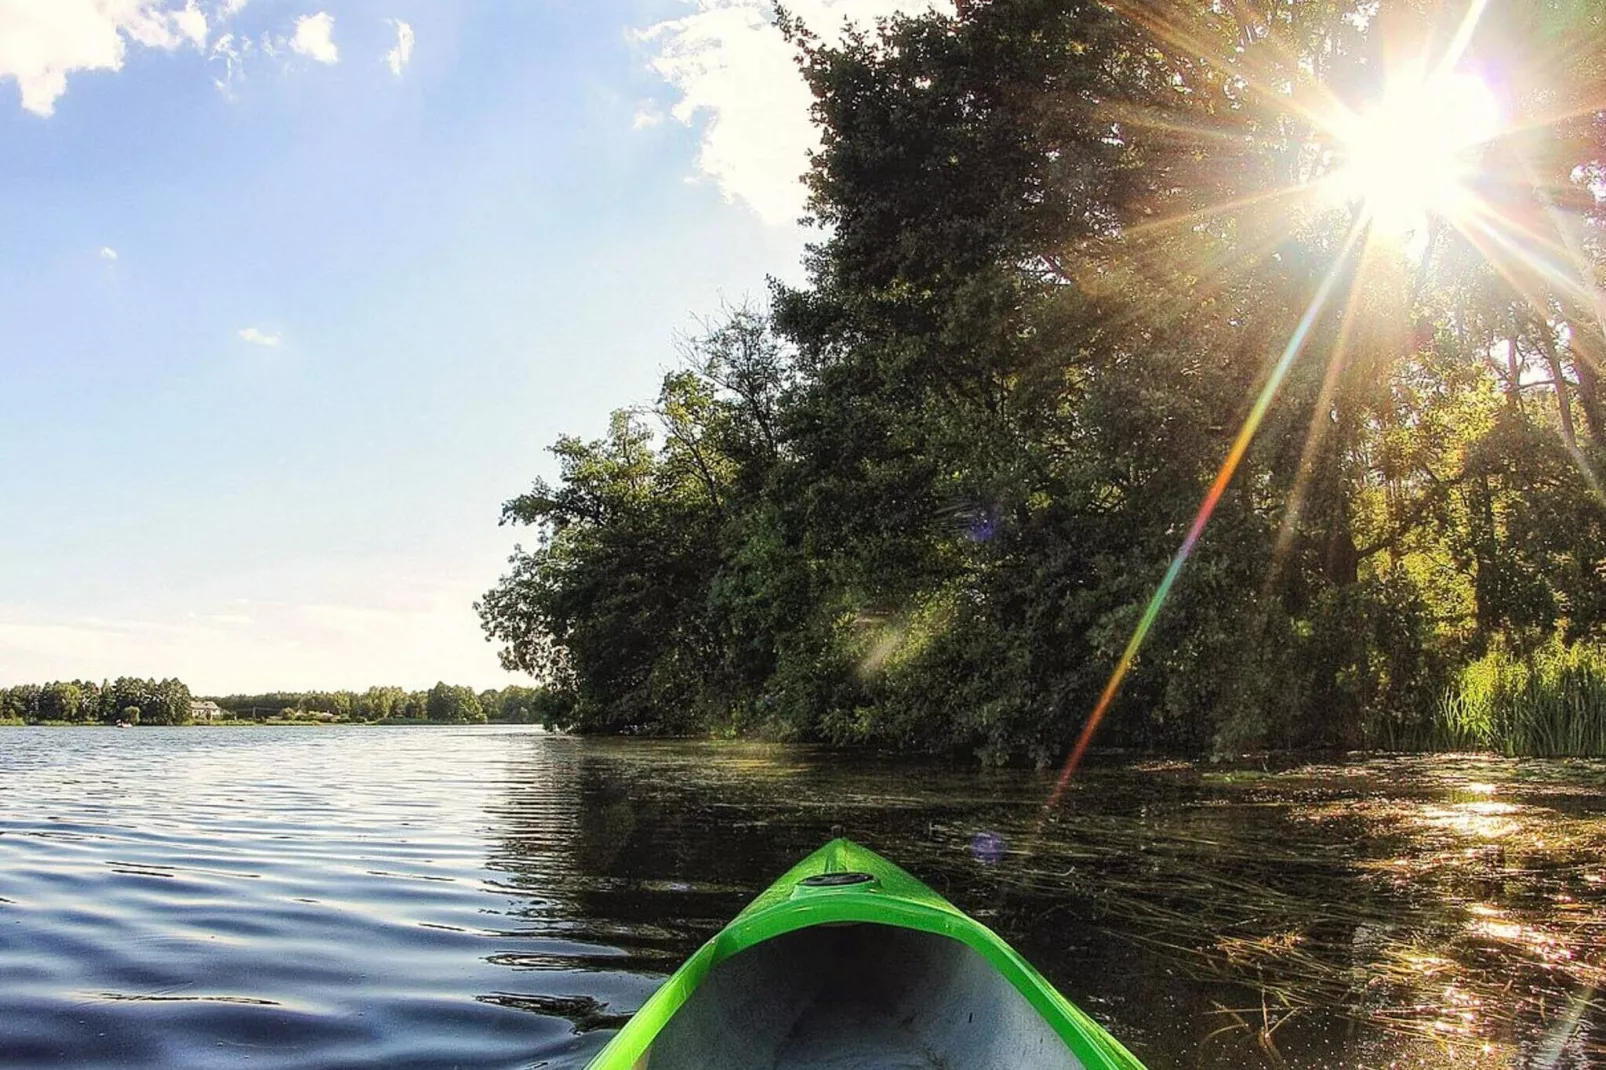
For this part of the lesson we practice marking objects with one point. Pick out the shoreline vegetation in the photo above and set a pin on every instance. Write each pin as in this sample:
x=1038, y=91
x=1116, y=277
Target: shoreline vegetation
x=134, y=701
x=919, y=500
x=1548, y=703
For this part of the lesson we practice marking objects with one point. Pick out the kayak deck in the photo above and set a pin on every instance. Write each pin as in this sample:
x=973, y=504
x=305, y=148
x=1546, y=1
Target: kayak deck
x=857, y=997
x=848, y=962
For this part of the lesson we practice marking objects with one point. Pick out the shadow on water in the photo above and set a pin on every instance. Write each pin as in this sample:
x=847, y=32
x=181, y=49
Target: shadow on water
x=1401, y=912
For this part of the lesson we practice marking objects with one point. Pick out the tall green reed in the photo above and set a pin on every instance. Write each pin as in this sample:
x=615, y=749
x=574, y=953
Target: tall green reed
x=1551, y=703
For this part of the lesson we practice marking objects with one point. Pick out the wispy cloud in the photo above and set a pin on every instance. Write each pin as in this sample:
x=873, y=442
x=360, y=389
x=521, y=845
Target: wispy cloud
x=398, y=58
x=108, y=253
x=259, y=337
x=43, y=41
x=735, y=74
x=231, y=54
x=314, y=38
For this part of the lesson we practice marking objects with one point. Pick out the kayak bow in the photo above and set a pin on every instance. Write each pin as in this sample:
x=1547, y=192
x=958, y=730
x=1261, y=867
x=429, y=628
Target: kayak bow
x=849, y=962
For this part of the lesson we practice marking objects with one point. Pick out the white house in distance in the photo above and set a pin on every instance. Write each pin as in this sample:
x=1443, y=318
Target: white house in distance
x=205, y=711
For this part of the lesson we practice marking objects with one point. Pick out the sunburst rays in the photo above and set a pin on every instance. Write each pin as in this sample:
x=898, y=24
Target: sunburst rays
x=1422, y=152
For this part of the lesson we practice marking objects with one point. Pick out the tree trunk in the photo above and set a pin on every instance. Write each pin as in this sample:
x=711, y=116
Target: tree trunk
x=1513, y=371
x=1343, y=559
x=1586, y=365
x=1547, y=342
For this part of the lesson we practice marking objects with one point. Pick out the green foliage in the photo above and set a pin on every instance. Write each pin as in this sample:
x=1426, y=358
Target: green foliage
x=297, y=705
x=457, y=704
x=613, y=609
x=168, y=702
x=165, y=702
x=1548, y=702
x=20, y=703
x=526, y=705
x=921, y=500
x=378, y=703
x=85, y=702
x=69, y=702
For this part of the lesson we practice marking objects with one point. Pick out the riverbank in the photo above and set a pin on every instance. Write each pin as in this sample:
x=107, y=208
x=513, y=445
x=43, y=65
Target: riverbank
x=1576, y=730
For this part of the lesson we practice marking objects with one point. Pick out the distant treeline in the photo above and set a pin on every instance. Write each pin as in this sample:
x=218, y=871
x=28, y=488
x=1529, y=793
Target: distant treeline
x=446, y=703
x=136, y=701
x=86, y=702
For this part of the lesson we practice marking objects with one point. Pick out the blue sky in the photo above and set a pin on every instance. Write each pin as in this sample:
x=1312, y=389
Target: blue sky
x=288, y=308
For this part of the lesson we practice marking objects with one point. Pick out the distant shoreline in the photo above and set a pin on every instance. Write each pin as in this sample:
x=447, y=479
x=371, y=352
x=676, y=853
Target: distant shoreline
x=136, y=701
x=388, y=722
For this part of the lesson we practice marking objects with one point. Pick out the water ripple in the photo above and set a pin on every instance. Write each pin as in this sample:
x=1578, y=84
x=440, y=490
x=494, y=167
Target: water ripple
x=300, y=898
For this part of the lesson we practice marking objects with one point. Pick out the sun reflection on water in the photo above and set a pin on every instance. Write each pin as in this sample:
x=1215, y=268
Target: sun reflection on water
x=1480, y=820
x=1462, y=905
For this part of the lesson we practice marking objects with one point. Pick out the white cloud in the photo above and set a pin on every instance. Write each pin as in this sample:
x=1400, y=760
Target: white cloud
x=235, y=52
x=398, y=58
x=43, y=41
x=191, y=24
x=108, y=253
x=258, y=337
x=736, y=74
x=314, y=38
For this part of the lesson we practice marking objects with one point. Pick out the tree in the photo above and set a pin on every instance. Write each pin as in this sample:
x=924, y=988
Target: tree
x=448, y=703
x=342, y=704
x=609, y=604
x=62, y=702
x=378, y=703
x=20, y=703
x=925, y=500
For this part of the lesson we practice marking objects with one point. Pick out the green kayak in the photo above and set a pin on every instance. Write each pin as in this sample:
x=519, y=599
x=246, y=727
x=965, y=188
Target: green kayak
x=848, y=962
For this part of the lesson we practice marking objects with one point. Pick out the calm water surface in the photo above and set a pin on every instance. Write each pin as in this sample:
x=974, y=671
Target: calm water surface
x=495, y=897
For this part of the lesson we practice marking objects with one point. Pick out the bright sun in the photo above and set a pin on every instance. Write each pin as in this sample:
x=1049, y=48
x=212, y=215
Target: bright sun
x=1416, y=151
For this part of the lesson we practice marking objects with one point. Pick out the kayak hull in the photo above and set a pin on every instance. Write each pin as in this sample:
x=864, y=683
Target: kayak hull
x=848, y=961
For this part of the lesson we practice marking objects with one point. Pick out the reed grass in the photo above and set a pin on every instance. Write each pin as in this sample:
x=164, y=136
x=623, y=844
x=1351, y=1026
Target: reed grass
x=1551, y=703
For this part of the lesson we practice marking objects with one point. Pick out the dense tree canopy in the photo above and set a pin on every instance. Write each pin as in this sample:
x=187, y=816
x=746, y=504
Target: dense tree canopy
x=86, y=702
x=443, y=703
x=923, y=499
x=169, y=702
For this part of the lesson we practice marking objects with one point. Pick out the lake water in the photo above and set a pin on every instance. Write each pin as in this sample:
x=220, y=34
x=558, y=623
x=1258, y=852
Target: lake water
x=281, y=898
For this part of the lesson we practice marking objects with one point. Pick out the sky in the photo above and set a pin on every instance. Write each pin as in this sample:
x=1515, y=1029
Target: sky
x=295, y=293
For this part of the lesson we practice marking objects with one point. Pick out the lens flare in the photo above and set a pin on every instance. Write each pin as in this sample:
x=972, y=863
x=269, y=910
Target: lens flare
x=987, y=848
x=1240, y=446
x=1439, y=164
x=1415, y=152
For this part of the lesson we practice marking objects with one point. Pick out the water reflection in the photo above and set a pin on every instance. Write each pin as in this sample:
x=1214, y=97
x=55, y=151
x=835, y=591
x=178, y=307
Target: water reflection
x=311, y=898
x=1405, y=912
